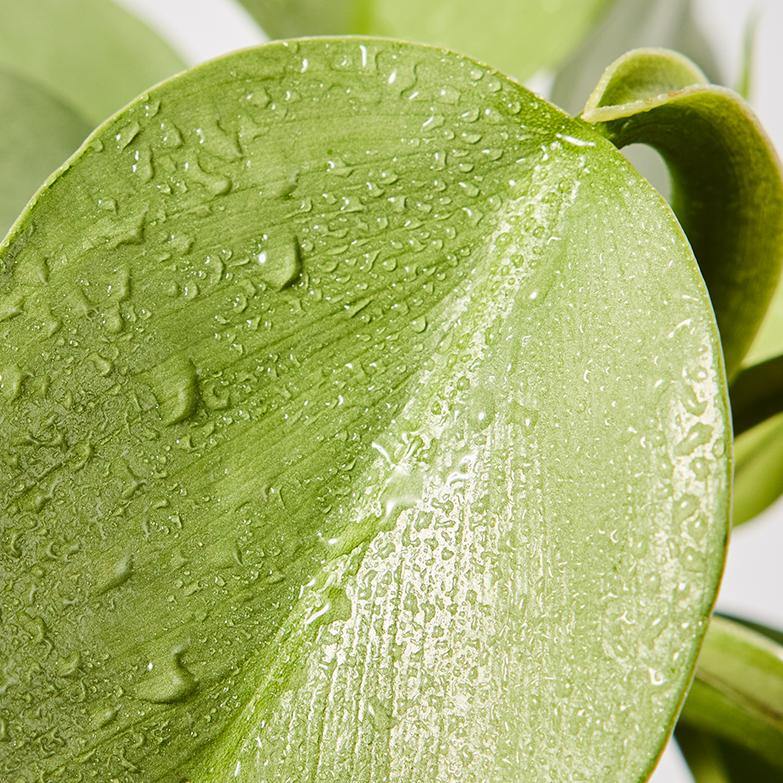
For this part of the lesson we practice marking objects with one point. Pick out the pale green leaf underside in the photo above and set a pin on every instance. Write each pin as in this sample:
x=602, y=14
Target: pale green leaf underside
x=366, y=422
x=91, y=54
x=37, y=134
x=518, y=36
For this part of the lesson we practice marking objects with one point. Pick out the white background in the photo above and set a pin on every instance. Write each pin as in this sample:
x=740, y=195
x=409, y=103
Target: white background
x=753, y=582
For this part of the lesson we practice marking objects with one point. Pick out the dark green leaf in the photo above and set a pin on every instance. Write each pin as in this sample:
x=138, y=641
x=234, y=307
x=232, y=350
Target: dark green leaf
x=734, y=711
x=757, y=394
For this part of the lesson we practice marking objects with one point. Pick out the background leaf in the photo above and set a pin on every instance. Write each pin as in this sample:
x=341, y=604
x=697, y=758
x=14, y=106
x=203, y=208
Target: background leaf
x=737, y=694
x=38, y=133
x=517, y=36
x=365, y=420
x=91, y=54
x=632, y=24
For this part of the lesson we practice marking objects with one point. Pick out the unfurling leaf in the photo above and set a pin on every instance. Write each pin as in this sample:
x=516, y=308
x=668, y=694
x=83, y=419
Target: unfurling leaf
x=37, y=134
x=726, y=181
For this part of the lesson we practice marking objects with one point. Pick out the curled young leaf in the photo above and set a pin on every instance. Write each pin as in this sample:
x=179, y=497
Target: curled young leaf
x=364, y=420
x=726, y=182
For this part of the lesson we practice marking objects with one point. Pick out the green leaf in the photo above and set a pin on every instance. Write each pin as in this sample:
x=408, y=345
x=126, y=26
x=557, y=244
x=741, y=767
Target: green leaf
x=726, y=181
x=631, y=24
x=365, y=418
x=758, y=470
x=715, y=760
x=38, y=133
x=517, y=36
x=737, y=693
x=91, y=54
x=757, y=394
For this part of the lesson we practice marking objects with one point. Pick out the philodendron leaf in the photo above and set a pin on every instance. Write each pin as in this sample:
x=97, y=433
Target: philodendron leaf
x=518, y=36
x=37, y=134
x=726, y=182
x=364, y=419
x=91, y=54
x=737, y=693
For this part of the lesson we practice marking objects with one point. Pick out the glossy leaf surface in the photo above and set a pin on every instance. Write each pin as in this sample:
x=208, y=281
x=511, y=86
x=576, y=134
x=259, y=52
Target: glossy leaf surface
x=727, y=189
x=365, y=420
x=517, y=36
x=91, y=54
x=38, y=133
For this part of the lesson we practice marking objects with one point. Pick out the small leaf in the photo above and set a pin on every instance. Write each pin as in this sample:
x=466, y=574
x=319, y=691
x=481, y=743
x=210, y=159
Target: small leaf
x=726, y=182
x=631, y=24
x=517, y=36
x=38, y=133
x=370, y=425
x=91, y=54
x=737, y=693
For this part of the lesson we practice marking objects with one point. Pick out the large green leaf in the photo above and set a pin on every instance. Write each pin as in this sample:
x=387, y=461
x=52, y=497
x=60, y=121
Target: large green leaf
x=737, y=696
x=365, y=419
x=727, y=188
x=38, y=133
x=91, y=54
x=518, y=36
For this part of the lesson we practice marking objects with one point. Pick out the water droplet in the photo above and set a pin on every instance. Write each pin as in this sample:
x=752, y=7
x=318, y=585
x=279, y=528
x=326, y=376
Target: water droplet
x=120, y=572
x=168, y=682
x=179, y=391
x=125, y=135
x=281, y=263
x=11, y=306
x=419, y=324
x=11, y=382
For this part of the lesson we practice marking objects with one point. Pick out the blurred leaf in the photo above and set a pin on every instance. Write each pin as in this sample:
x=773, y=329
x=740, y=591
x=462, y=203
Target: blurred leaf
x=37, y=134
x=757, y=394
x=338, y=446
x=726, y=181
x=745, y=80
x=91, y=54
x=715, y=760
x=736, y=699
x=632, y=24
x=758, y=470
x=518, y=36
